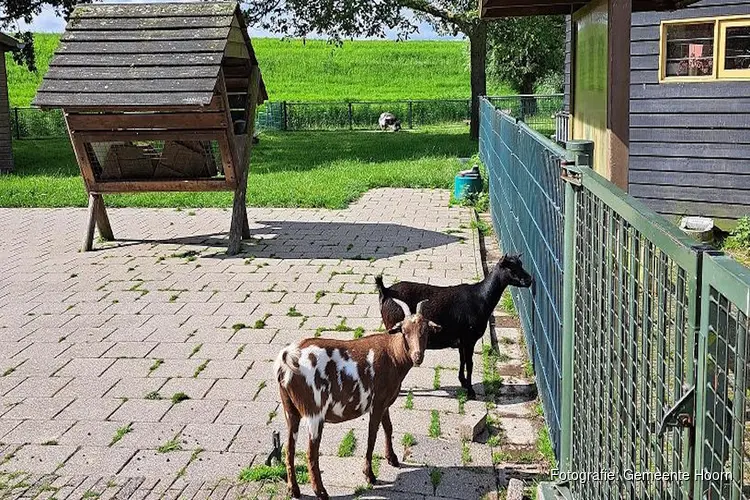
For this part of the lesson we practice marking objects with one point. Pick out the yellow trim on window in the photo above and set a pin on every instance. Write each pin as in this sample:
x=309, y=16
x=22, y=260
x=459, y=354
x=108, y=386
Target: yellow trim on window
x=663, y=78
x=730, y=74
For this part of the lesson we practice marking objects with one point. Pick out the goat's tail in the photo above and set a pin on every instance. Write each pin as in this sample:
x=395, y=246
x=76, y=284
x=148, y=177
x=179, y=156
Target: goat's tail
x=382, y=290
x=287, y=364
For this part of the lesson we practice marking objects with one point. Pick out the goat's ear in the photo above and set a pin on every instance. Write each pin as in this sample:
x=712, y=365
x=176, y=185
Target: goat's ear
x=435, y=326
x=396, y=328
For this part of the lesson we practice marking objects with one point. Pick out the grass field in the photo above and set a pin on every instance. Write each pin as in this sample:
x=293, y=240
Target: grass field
x=299, y=169
x=317, y=71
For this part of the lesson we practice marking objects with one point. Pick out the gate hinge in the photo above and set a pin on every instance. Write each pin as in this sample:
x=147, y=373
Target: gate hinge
x=570, y=175
x=681, y=414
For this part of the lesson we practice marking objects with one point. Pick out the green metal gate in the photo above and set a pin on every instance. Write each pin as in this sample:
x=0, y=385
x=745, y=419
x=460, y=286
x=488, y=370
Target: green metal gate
x=645, y=375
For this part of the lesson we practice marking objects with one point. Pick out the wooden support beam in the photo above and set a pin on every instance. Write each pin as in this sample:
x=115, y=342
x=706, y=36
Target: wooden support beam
x=240, y=226
x=97, y=217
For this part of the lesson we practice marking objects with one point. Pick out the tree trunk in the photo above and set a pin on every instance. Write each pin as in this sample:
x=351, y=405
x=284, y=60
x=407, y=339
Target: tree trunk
x=528, y=104
x=478, y=50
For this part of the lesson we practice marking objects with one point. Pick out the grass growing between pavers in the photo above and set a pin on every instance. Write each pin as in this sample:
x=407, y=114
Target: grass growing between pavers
x=408, y=440
x=120, y=433
x=409, y=403
x=179, y=397
x=293, y=169
x=507, y=305
x=434, y=429
x=348, y=444
x=490, y=376
x=170, y=446
x=263, y=472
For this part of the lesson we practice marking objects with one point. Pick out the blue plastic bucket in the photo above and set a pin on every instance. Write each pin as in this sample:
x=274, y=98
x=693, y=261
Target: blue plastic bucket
x=466, y=184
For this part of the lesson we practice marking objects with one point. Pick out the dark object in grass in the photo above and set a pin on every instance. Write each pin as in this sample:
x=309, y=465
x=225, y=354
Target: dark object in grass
x=276, y=450
x=462, y=310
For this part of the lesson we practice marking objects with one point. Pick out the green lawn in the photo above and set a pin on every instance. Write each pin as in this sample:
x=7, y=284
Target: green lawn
x=293, y=169
x=317, y=71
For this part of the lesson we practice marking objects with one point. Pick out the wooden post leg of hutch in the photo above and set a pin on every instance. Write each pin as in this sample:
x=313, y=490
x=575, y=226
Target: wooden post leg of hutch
x=240, y=227
x=97, y=217
x=102, y=219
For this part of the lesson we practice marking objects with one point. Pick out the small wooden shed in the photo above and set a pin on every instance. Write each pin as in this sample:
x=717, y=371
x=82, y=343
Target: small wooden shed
x=6, y=153
x=157, y=97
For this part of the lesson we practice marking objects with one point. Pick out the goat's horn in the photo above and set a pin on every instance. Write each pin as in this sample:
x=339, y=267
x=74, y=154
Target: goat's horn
x=420, y=306
x=403, y=306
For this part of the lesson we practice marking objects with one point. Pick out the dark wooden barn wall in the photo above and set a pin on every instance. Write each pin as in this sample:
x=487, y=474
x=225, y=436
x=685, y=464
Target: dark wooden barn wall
x=689, y=142
x=6, y=155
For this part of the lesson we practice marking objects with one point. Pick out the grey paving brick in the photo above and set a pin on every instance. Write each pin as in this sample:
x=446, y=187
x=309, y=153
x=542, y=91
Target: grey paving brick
x=193, y=411
x=152, y=464
x=144, y=435
x=90, y=433
x=38, y=459
x=37, y=432
x=97, y=461
x=90, y=408
x=38, y=408
x=141, y=411
x=211, y=437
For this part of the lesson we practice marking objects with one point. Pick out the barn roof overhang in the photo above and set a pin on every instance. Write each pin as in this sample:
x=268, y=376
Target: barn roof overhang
x=493, y=9
x=9, y=43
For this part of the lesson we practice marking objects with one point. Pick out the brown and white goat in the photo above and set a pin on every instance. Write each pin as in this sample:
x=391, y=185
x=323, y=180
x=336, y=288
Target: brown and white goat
x=327, y=380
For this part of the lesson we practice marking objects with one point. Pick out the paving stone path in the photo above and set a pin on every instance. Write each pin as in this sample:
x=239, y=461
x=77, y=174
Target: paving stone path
x=143, y=369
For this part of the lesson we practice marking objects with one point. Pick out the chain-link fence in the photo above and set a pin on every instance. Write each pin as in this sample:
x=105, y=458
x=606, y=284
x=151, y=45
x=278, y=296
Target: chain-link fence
x=537, y=110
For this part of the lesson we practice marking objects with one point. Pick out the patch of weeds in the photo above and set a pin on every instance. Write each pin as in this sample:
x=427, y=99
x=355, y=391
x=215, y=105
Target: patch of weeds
x=503, y=357
x=376, y=460
x=491, y=378
x=304, y=320
x=293, y=312
x=528, y=369
x=263, y=472
x=261, y=323
x=191, y=213
x=319, y=295
x=465, y=453
x=195, y=350
x=506, y=341
x=408, y=440
x=452, y=231
x=436, y=475
x=436, y=378
x=359, y=332
x=249, y=260
x=120, y=433
x=319, y=331
x=9, y=371
x=544, y=446
x=483, y=227
x=91, y=494
x=271, y=415
x=341, y=327
x=239, y=350
x=153, y=396
x=200, y=368
x=179, y=397
x=157, y=363
x=434, y=429
x=362, y=489
x=499, y=457
x=171, y=445
x=409, y=404
x=539, y=409
x=507, y=305
x=238, y=326
x=51, y=442
x=71, y=306
x=173, y=298
x=261, y=386
x=348, y=444
x=462, y=398
x=193, y=458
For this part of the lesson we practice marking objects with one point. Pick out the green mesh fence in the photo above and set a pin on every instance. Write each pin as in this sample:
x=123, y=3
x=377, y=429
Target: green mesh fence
x=634, y=341
x=723, y=438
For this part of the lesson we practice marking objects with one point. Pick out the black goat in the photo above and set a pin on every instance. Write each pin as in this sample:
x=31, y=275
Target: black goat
x=462, y=310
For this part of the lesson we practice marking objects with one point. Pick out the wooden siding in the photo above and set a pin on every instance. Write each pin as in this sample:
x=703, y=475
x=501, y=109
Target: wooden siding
x=6, y=153
x=689, y=142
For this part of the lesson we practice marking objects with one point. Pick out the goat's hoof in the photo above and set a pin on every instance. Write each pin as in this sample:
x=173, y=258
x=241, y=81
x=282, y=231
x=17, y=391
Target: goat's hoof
x=370, y=477
x=322, y=494
x=294, y=491
x=393, y=460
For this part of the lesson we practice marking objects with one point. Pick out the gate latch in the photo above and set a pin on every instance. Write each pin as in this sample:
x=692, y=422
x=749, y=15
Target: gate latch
x=681, y=414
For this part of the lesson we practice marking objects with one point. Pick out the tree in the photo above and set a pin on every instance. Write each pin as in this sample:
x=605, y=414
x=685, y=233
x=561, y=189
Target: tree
x=525, y=49
x=12, y=11
x=346, y=19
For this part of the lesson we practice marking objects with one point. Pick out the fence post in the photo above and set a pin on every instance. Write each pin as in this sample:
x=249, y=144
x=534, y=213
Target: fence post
x=285, y=116
x=18, y=124
x=410, y=114
x=351, y=117
x=580, y=154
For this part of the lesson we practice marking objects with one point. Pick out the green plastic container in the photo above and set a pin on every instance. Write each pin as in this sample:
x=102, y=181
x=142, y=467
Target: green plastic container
x=467, y=183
